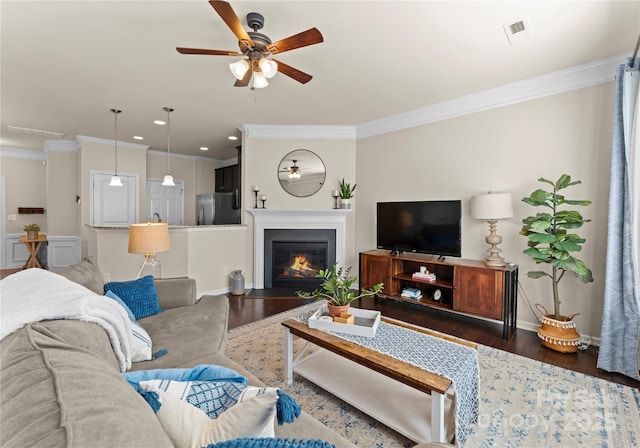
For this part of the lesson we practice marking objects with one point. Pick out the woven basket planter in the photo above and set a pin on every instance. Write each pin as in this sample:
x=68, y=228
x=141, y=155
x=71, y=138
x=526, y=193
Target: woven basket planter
x=558, y=334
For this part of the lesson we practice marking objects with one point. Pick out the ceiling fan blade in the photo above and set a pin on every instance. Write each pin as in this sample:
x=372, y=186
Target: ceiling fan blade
x=244, y=82
x=303, y=39
x=226, y=12
x=183, y=50
x=294, y=73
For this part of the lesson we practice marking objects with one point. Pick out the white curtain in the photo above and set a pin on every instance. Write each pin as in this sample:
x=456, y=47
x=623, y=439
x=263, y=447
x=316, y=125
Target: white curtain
x=620, y=333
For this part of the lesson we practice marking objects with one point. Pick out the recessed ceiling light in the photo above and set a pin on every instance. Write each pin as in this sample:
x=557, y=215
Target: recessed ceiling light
x=232, y=137
x=137, y=137
x=204, y=148
x=159, y=122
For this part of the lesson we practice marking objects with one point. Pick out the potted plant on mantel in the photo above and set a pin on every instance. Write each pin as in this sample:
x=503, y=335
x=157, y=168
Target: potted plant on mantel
x=551, y=241
x=346, y=193
x=32, y=231
x=336, y=290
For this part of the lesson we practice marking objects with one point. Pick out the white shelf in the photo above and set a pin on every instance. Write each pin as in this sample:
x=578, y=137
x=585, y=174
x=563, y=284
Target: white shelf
x=400, y=407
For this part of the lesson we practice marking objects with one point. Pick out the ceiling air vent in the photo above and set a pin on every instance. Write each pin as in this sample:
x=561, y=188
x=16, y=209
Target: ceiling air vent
x=517, y=32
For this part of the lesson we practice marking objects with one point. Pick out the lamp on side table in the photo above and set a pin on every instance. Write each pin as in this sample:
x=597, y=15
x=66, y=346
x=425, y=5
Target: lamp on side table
x=491, y=208
x=149, y=239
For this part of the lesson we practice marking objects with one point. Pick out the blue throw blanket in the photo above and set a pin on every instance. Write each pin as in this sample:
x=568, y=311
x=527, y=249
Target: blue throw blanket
x=202, y=372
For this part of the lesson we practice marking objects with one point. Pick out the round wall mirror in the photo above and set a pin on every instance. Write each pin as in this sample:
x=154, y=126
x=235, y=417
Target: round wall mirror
x=301, y=173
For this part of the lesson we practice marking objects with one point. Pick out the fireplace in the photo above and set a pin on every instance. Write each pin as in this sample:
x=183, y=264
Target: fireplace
x=269, y=219
x=293, y=257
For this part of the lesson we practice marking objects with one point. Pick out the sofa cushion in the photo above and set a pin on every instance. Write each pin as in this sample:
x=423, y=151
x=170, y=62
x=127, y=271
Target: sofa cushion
x=189, y=333
x=61, y=377
x=87, y=274
x=139, y=295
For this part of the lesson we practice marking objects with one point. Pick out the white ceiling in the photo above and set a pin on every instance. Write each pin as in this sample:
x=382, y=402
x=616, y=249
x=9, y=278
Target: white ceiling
x=64, y=64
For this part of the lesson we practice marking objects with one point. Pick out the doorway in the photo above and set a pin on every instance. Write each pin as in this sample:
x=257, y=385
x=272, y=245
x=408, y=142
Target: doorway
x=167, y=202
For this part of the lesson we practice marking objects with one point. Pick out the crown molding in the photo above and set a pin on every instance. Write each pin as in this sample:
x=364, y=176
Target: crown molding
x=554, y=83
x=291, y=132
x=190, y=157
x=17, y=153
x=84, y=138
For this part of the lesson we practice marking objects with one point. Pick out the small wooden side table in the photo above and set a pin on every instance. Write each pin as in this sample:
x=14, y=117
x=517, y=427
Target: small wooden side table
x=33, y=246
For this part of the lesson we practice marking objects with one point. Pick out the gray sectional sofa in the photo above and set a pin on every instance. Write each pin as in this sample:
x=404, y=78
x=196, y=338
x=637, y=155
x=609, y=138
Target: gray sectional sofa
x=61, y=384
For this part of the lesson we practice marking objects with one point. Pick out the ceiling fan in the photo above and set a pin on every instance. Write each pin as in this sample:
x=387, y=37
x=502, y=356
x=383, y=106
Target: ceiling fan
x=258, y=49
x=293, y=170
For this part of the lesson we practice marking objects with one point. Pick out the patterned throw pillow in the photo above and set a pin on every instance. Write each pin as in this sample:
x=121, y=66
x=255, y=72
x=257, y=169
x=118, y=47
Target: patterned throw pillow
x=139, y=295
x=187, y=426
x=211, y=397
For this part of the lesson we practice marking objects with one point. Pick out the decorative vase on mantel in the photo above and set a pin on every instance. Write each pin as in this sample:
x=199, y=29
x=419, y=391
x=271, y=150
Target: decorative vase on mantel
x=345, y=203
x=336, y=310
x=558, y=334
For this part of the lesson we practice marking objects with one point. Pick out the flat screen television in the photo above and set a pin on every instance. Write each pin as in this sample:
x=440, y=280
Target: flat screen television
x=430, y=227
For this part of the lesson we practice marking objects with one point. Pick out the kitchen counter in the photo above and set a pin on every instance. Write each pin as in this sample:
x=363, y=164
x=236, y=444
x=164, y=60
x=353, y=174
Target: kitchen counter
x=206, y=253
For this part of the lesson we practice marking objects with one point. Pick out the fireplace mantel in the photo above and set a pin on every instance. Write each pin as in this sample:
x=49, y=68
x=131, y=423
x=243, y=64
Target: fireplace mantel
x=295, y=219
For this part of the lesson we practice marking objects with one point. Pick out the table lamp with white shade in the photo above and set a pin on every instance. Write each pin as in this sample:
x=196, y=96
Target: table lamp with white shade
x=491, y=207
x=149, y=239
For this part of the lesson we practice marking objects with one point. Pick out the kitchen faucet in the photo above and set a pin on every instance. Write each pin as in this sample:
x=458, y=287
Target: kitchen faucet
x=154, y=217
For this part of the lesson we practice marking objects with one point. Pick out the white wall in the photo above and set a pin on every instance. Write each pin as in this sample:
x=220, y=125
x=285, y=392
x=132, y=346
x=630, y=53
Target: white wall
x=503, y=150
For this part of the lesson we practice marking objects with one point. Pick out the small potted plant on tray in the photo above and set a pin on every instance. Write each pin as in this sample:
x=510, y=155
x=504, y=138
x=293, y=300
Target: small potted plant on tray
x=336, y=289
x=32, y=231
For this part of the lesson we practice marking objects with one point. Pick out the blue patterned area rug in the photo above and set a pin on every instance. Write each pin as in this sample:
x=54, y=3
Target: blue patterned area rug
x=523, y=403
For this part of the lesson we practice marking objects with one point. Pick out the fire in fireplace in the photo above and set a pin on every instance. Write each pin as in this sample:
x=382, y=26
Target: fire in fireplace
x=294, y=257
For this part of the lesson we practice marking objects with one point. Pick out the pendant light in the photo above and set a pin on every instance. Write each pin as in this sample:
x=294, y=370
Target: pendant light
x=115, y=179
x=168, y=178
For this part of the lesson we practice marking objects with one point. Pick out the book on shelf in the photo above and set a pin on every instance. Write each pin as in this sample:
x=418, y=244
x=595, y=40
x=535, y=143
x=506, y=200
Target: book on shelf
x=429, y=277
x=411, y=293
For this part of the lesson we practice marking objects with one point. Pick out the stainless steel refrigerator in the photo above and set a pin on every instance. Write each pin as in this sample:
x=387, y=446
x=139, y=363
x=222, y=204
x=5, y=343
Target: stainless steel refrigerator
x=216, y=208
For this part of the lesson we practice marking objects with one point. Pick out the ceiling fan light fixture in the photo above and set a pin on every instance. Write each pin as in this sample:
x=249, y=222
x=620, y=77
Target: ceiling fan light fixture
x=294, y=175
x=259, y=80
x=268, y=67
x=239, y=68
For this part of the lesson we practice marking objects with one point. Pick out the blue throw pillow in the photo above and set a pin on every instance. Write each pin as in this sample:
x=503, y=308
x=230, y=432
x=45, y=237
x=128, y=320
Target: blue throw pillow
x=139, y=295
x=267, y=442
x=115, y=297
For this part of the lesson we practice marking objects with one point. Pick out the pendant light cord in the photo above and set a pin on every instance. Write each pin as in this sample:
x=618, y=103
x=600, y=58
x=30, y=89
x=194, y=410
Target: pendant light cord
x=169, y=110
x=115, y=134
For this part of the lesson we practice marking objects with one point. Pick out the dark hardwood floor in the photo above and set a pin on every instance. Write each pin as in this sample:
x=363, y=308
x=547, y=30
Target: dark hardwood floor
x=258, y=304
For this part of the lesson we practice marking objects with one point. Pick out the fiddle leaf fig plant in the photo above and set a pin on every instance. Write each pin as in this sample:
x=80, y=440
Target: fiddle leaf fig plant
x=551, y=237
x=336, y=287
